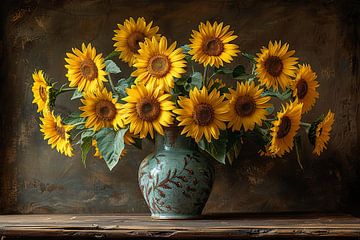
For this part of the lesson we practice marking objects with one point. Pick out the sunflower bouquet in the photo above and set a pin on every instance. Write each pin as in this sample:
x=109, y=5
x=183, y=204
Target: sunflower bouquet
x=182, y=86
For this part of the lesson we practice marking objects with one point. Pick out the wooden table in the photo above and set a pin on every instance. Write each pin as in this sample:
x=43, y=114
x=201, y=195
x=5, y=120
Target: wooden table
x=246, y=226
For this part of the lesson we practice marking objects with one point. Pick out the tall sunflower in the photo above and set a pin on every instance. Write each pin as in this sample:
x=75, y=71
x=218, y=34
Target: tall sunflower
x=130, y=34
x=85, y=68
x=319, y=133
x=275, y=65
x=246, y=106
x=202, y=114
x=57, y=133
x=147, y=108
x=101, y=110
x=304, y=87
x=41, y=90
x=211, y=44
x=159, y=64
x=285, y=128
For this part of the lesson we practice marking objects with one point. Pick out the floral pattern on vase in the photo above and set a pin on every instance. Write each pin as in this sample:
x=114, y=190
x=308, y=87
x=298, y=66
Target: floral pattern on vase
x=176, y=179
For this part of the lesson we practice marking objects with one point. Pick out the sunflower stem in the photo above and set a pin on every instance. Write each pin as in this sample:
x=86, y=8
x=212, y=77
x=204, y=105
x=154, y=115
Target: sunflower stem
x=204, y=76
x=304, y=124
x=111, y=83
x=77, y=124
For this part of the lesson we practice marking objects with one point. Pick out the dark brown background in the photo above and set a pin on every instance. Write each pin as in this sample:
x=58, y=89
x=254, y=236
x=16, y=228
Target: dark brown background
x=36, y=34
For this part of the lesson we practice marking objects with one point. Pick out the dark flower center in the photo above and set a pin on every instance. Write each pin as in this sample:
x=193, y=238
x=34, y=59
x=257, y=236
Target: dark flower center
x=159, y=66
x=302, y=88
x=214, y=47
x=60, y=131
x=88, y=69
x=148, y=109
x=203, y=114
x=105, y=110
x=133, y=41
x=274, y=66
x=284, y=127
x=245, y=106
x=42, y=93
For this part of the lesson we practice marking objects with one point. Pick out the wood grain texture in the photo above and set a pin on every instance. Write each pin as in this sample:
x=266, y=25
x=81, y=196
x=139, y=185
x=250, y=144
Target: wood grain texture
x=36, y=34
x=143, y=227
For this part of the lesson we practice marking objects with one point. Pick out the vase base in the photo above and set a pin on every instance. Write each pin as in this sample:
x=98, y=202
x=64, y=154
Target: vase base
x=174, y=216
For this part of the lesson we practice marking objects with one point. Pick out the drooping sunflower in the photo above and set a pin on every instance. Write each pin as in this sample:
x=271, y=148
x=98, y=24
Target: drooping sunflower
x=211, y=44
x=157, y=64
x=101, y=110
x=202, y=114
x=275, y=65
x=56, y=133
x=85, y=68
x=130, y=34
x=215, y=84
x=319, y=134
x=285, y=128
x=304, y=87
x=128, y=140
x=246, y=106
x=41, y=90
x=147, y=108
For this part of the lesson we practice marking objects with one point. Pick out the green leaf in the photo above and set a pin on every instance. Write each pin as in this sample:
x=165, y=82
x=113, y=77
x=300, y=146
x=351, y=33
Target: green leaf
x=76, y=95
x=73, y=118
x=111, y=67
x=111, y=55
x=238, y=71
x=216, y=149
x=110, y=144
x=245, y=76
x=121, y=87
x=250, y=57
x=298, y=148
x=223, y=70
x=196, y=80
x=186, y=48
x=282, y=96
x=85, y=147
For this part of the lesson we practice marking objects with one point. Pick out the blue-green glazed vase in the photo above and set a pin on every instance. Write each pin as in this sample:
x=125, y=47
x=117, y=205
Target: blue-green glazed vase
x=176, y=179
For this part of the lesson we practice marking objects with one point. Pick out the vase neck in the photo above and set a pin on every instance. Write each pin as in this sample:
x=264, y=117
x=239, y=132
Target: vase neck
x=172, y=139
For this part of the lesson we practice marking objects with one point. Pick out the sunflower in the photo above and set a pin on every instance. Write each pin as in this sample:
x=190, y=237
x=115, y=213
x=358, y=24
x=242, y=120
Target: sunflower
x=157, y=64
x=304, y=87
x=202, y=114
x=101, y=110
x=285, y=128
x=321, y=134
x=41, y=90
x=266, y=152
x=215, y=84
x=275, y=65
x=147, y=108
x=211, y=44
x=128, y=36
x=246, y=106
x=57, y=133
x=85, y=68
x=128, y=140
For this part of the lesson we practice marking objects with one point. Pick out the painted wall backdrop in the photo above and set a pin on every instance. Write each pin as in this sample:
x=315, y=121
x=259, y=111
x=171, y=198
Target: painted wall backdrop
x=36, y=35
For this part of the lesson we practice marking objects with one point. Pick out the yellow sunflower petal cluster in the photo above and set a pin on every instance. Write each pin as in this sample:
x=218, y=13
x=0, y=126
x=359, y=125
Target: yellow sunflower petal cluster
x=41, y=90
x=323, y=130
x=215, y=84
x=202, y=114
x=130, y=34
x=285, y=128
x=101, y=110
x=275, y=65
x=246, y=106
x=304, y=87
x=211, y=44
x=147, y=108
x=56, y=133
x=85, y=69
x=159, y=64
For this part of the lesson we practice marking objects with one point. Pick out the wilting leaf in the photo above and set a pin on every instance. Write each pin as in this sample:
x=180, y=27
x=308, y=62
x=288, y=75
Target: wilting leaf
x=111, y=67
